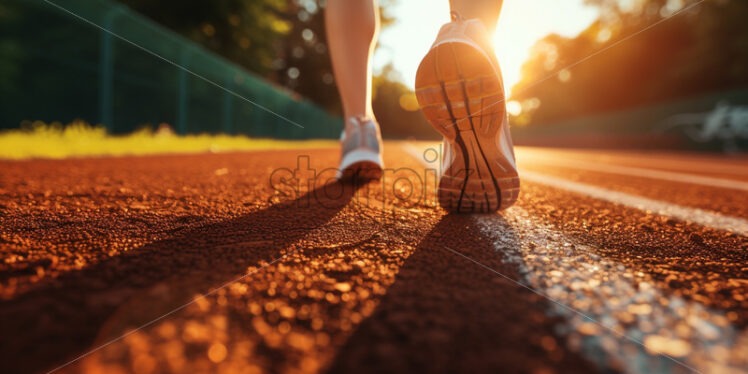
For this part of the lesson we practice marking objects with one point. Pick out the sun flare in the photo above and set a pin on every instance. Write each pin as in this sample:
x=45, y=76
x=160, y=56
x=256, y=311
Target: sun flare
x=522, y=23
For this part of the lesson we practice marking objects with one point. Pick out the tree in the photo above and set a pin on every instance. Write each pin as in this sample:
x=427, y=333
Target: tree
x=284, y=41
x=246, y=32
x=396, y=108
x=702, y=50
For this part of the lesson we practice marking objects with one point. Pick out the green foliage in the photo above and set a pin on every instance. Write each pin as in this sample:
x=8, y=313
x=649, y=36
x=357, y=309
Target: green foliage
x=245, y=32
x=303, y=61
x=57, y=67
x=54, y=73
x=704, y=49
x=287, y=38
x=396, y=108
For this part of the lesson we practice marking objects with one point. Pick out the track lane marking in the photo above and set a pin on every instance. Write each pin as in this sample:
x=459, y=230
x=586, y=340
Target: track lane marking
x=687, y=162
x=615, y=313
x=701, y=217
x=643, y=328
x=641, y=172
x=704, y=218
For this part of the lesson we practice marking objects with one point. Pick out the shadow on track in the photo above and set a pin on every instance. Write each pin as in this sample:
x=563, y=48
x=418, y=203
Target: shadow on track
x=445, y=314
x=59, y=321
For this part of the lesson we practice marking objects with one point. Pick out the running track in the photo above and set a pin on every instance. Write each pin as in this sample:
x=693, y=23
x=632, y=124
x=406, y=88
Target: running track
x=610, y=261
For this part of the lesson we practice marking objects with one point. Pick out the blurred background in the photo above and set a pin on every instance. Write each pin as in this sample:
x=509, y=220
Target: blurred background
x=651, y=83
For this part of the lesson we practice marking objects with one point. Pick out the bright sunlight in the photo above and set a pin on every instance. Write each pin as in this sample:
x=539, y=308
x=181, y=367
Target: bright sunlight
x=522, y=23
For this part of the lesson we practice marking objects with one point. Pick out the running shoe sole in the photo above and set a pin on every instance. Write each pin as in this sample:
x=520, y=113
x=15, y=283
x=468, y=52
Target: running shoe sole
x=459, y=92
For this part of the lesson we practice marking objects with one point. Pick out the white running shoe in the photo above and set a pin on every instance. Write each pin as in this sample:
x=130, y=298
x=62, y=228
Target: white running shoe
x=460, y=91
x=361, y=157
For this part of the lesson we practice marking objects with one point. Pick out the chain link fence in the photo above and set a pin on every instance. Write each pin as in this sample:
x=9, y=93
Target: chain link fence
x=59, y=63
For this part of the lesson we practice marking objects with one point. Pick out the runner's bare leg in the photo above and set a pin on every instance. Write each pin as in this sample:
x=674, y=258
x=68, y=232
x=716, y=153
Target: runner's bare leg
x=352, y=27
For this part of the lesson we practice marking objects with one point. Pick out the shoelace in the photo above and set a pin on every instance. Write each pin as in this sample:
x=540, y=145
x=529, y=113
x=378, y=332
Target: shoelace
x=360, y=125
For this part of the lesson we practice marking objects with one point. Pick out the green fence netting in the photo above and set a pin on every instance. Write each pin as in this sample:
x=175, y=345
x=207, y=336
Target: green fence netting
x=58, y=64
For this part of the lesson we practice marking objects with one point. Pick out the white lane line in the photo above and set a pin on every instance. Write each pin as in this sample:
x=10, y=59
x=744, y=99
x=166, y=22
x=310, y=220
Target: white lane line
x=418, y=152
x=622, y=300
x=705, y=218
x=640, y=172
x=686, y=163
x=709, y=219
